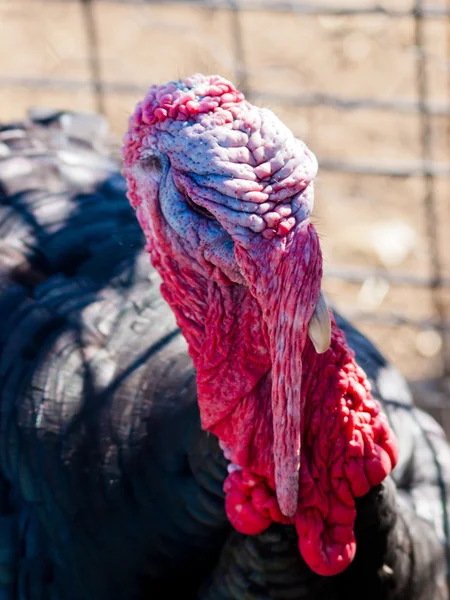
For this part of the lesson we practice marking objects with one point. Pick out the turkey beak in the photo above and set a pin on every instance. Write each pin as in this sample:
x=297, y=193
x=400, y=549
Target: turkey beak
x=319, y=328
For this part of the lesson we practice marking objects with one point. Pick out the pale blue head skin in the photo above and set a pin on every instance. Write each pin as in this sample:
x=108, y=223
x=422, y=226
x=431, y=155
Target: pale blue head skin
x=225, y=177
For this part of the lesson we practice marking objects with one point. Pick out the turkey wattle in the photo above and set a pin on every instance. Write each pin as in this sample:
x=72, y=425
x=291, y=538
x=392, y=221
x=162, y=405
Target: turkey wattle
x=224, y=194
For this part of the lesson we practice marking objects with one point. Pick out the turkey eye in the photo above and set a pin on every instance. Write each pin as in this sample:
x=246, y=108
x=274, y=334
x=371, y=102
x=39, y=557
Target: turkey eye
x=151, y=163
x=198, y=209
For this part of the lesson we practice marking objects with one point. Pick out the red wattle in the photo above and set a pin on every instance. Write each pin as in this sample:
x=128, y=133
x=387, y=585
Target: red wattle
x=347, y=448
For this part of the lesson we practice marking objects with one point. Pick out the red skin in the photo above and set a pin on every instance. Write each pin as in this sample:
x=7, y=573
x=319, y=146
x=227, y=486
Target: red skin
x=302, y=427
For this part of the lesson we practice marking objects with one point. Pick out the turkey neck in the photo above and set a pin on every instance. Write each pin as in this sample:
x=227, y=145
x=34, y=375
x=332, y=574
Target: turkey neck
x=227, y=340
x=229, y=345
x=346, y=444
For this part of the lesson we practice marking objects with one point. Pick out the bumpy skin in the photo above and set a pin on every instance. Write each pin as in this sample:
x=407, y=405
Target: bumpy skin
x=398, y=525
x=109, y=489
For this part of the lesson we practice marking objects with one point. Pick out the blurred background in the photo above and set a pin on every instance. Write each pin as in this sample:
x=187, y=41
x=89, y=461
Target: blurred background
x=365, y=85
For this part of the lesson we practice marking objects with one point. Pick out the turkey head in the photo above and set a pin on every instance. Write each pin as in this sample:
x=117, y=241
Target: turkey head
x=224, y=194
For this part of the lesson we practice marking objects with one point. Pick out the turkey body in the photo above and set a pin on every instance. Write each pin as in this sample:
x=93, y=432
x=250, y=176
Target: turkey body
x=109, y=489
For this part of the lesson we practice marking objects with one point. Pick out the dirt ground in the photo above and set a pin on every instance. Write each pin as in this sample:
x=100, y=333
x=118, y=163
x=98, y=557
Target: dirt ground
x=371, y=226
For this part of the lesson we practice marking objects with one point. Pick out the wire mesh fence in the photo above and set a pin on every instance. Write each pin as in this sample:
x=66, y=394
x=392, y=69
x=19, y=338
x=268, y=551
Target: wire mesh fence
x=366, y=85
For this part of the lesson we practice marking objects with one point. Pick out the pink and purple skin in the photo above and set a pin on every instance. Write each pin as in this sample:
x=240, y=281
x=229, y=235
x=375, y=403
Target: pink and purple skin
x=224, y=194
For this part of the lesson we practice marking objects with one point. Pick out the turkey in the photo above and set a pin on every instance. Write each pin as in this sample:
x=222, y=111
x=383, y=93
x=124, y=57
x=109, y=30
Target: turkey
x=220, y=443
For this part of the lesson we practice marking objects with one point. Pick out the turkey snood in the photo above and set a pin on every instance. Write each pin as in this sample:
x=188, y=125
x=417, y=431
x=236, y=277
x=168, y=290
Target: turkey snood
x=224, y=194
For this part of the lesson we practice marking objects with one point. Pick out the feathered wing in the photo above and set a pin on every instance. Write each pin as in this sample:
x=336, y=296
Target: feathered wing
x=107, y=485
